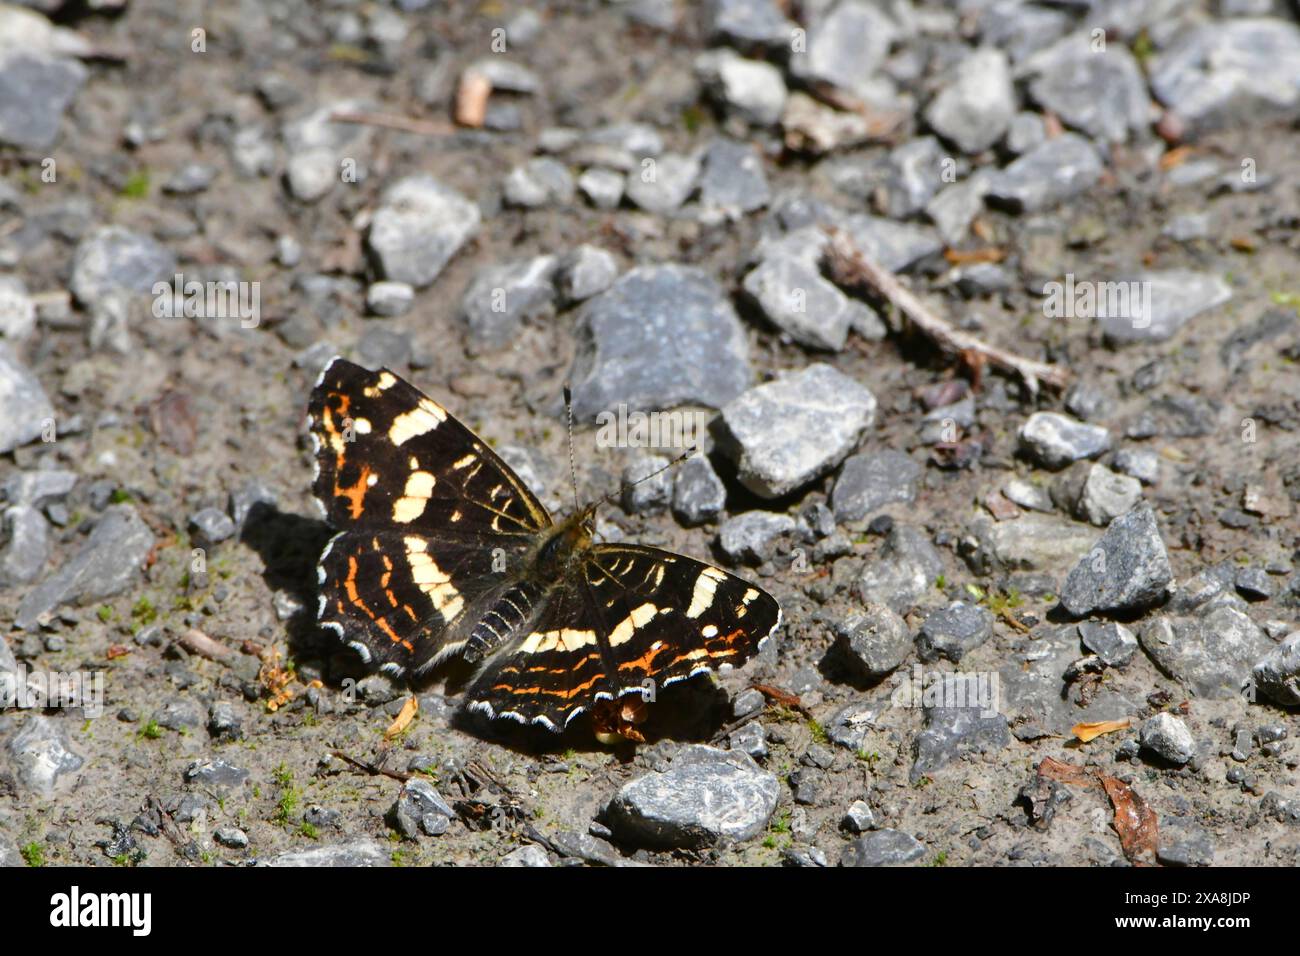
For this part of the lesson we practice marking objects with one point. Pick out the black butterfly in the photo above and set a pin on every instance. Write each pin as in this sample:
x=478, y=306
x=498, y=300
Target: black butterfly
x=443, y=550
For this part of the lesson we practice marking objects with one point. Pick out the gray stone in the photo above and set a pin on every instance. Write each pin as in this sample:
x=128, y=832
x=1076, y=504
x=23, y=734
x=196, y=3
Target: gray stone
x=357, y=853
x=643, y=494
x=506, y=75
x=216, y=773
x=749, y=738
x=732, y=180
x=1167, y=736
x=1106, y=495
x=1169, y=300
x=502, y=296
x=1114, y=643
x=1254, y=584
x=975, y=106
x=1277, y=675
x=190, y=179
x=106, y=564
x=789, y=432
x=1209, y=74
x=602, y=187
x=1126, y=570
x=663, y=184
x=232, y=837
x=179, y=713
x=542, y=181
x=17, y=309
x=748, y=22
x=899, y=184
x=1047, y=175
x=750, y=89
x=530, y=855
x=629, y=339
x=1140, y=463
x=1026, y=131
x=1210, y=652
x=41, y=755
x=868, y=482
x=223, y=721
x=903, y=572
x=961, y=717
x=210, y=526
x=1054, y=440
x=845, y=47
x=420, y=809
x=1027, y=495
x=28, y=547
x=419, y=225
x=115, y=259
x=35, y=88
x=698, y=493
x=882, y=848
x=793, y=295
x=859, y=818
x=389, y=299
x=849, y=726
x=1183, y=842
x=37, y=488
x=953, y=631
x=955, y=207
x=704, y=796
x=1036, y=693
x=752, y=537
x=1101, y=93
x=1188, y=227
x=873, y=642
x=584, y=272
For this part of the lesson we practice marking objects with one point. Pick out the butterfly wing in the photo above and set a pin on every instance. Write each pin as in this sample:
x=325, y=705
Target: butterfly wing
x=388, y=456
x=671, y=617
x=637, y=620
x=431, y=517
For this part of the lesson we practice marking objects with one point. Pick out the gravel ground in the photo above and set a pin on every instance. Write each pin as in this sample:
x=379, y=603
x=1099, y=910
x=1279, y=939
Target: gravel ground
x=969, y=567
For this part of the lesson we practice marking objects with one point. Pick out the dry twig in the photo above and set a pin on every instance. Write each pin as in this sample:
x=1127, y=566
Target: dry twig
x=407, y=124
x=853, y=269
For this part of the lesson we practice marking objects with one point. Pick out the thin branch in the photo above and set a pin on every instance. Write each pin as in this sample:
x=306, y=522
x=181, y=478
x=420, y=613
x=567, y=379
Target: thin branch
x=851, y=268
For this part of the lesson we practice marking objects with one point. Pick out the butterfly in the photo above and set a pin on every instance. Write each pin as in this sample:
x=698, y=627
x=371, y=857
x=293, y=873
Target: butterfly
x=443, y=551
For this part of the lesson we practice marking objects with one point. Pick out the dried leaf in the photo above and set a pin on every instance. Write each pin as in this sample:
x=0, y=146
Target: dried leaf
x=1095, y=728
x=1135, y=822
x=1064, y=772
x=404, y=717
x=117, y=650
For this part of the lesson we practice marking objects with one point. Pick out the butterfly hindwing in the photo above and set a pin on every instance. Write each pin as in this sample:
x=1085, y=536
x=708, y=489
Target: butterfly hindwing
x=634, y=620
x=388, y=456
x=401, y=599
x=550, y=673
x=670, y=617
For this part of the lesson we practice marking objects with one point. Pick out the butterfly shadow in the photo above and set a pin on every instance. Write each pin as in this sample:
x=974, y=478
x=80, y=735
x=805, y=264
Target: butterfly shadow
x=289, y=546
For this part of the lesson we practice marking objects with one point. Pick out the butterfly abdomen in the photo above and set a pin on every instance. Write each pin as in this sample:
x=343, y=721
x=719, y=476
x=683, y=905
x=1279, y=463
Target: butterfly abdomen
x=506, y=617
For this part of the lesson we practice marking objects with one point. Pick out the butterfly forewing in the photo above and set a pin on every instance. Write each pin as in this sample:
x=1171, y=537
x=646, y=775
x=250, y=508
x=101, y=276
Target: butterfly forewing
x=388, y=456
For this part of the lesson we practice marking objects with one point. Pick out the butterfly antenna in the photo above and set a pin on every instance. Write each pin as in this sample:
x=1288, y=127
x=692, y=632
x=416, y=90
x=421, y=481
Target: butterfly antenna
x=573, y=466
x=658, y=471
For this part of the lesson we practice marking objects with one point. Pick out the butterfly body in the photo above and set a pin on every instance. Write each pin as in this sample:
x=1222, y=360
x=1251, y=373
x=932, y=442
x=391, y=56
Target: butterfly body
x=443, y=551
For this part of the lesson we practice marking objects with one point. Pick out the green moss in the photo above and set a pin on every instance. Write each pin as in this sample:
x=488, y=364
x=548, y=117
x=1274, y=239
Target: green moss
x=144, y=611
x=136, y=185
x=120, y=496
x=34, y=854
x=150, y=731
x=105, y=613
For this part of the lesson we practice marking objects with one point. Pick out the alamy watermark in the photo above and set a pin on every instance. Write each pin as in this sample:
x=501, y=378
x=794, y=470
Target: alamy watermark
x=216, y=299
x=38, y=690
x=637, y=429
x=977, y=690
x=1128, y=299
